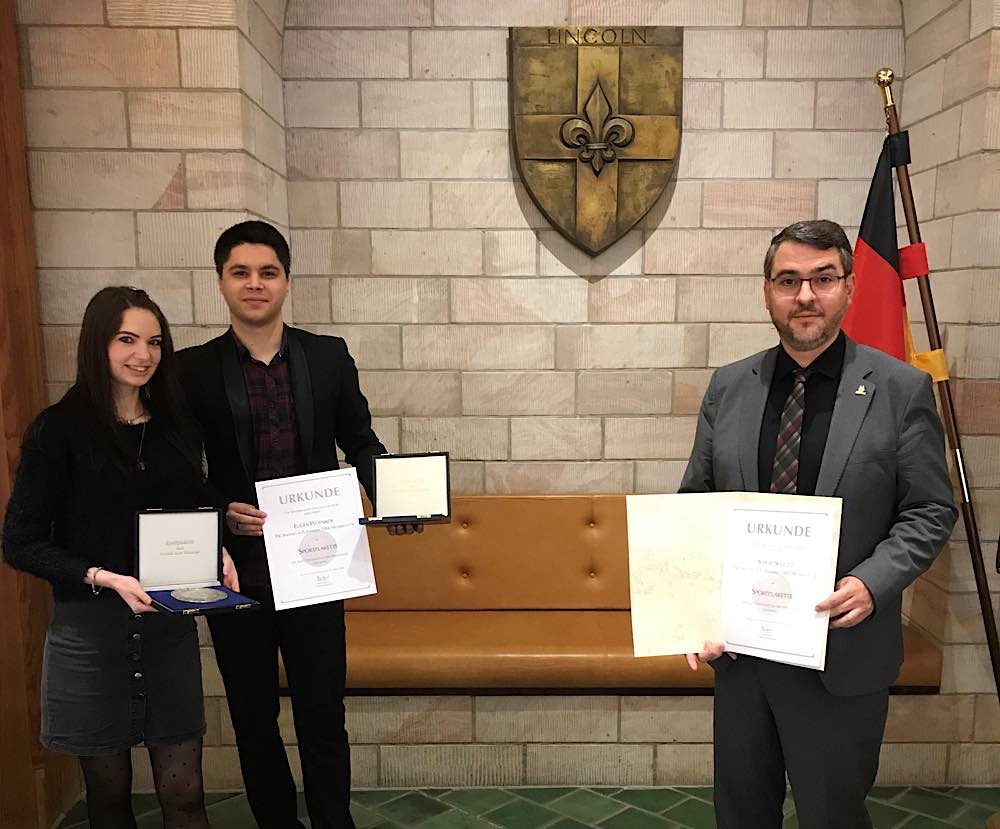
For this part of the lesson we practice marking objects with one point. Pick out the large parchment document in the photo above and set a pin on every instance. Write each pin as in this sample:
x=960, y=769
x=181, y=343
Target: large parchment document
x=746, y=569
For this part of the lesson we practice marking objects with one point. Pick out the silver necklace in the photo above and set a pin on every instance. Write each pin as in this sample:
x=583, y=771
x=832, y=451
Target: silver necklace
x=139, y=463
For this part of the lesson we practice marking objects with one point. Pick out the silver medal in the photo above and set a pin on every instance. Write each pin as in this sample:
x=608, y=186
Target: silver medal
x=198, y=595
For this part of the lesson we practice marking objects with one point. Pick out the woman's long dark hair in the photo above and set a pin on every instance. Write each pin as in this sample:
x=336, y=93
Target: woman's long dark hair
x=163, y=395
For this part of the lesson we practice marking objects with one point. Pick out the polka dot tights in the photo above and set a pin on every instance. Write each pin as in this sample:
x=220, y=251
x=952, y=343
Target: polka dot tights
x=176, y=775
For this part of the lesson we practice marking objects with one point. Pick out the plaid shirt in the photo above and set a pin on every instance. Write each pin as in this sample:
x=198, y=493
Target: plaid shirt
x=272, y=412
x=275, y=439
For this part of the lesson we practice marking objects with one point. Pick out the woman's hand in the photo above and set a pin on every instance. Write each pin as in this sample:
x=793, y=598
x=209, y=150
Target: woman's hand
x=245, y=519
x=138, y=600
x=230, y=578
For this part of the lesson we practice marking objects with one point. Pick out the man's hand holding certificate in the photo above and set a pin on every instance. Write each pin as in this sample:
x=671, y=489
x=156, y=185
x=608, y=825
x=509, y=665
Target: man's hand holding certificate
x=744, y=570
x=316, y=550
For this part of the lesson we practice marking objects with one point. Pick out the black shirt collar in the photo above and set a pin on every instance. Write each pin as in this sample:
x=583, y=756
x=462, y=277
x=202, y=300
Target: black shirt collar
x=244, y=352
x=829, y=363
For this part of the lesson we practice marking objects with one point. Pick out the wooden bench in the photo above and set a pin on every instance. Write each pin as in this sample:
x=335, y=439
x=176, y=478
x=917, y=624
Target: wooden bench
x=524, y=593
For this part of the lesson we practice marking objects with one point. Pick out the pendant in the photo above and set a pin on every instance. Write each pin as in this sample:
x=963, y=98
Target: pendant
x=140, y=465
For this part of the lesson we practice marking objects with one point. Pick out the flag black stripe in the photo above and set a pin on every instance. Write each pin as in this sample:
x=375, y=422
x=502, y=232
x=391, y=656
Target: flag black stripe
x=878, y=225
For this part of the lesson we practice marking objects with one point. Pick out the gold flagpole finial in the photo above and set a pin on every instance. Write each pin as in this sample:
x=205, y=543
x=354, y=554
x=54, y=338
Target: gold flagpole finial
x=884, y=78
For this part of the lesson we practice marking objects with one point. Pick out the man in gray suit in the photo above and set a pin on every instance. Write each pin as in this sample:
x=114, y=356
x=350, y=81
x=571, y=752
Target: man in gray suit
x=820, y=415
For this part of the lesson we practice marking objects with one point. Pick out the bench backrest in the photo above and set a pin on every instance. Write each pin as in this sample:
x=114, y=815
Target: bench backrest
x=507, y=552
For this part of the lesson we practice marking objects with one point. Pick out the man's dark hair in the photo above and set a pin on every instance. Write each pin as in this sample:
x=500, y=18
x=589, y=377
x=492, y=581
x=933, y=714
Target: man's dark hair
x=252, y=233
x=821, y=234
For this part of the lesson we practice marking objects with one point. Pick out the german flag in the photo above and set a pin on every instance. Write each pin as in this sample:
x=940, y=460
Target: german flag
x=877, y=314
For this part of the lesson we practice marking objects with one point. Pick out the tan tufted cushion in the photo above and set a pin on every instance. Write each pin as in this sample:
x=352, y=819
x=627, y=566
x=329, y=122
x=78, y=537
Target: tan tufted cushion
x=517, y=552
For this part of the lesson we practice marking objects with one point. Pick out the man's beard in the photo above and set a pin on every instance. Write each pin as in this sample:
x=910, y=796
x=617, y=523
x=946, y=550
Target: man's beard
x=827, y=331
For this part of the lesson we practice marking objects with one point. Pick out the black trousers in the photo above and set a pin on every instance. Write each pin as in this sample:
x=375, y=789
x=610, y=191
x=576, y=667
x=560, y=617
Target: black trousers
x=771, y=719
x=312, y=645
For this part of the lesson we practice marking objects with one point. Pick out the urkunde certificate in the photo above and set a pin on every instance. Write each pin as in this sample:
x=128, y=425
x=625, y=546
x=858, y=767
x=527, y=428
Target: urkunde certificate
x=316, y=550
x=742, y=568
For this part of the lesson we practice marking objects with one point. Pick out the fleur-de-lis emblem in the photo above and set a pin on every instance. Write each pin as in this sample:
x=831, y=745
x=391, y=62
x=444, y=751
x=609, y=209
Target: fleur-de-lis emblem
x=598, y=133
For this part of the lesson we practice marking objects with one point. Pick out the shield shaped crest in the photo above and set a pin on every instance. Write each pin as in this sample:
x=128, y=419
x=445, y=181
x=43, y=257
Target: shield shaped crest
x=596, y=117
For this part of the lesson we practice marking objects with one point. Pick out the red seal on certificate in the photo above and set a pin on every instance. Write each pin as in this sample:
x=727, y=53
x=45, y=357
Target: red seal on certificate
x=318, y=548
x=772, y=592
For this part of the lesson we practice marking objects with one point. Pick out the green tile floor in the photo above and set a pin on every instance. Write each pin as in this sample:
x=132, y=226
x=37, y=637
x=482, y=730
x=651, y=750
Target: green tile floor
x=577, y=808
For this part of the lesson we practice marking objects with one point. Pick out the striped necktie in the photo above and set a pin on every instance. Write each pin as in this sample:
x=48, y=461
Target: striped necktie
x=785, y=473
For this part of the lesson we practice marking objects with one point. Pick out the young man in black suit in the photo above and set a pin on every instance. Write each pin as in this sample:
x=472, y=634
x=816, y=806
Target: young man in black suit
x=275, y=401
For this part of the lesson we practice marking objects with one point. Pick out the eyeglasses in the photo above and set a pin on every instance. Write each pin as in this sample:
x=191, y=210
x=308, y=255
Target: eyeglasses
x=822, y=285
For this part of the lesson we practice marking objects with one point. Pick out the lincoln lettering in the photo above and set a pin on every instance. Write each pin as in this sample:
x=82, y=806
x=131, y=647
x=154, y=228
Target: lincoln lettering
x=596, y=37
x=793, y=530
x=309, y=495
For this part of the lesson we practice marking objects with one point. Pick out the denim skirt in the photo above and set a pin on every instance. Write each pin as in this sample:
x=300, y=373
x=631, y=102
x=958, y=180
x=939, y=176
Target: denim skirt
x=112, y=679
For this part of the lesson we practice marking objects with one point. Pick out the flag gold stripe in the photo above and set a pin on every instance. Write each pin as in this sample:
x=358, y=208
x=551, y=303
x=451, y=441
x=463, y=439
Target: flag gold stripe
x=932, y=362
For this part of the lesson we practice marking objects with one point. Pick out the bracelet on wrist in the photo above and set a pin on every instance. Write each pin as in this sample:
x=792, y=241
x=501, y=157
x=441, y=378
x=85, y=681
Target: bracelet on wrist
x=94, y=588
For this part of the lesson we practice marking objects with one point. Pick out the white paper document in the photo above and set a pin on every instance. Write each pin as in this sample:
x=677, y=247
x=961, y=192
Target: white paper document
x=316, y=550
x=746, y=569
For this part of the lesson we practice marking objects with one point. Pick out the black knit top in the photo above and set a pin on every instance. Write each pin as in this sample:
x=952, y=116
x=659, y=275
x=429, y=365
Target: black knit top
x=72, y=507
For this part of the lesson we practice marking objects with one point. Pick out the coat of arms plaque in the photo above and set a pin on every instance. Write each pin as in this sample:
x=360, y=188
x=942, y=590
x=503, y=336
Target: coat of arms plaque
x=596, y=118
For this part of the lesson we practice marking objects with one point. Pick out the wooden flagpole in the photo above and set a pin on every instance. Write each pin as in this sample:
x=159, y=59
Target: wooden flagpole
x=884, y=79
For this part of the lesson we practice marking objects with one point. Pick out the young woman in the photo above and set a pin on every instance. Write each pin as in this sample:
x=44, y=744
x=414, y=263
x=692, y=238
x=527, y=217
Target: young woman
x=114, y=673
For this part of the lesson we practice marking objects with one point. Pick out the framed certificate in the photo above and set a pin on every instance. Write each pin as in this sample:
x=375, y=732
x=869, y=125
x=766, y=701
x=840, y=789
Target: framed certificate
x=179, y=561
x=411, y=489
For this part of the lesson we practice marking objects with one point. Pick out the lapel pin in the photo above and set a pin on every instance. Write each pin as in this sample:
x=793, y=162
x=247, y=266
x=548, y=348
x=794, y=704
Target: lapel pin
x=861, y=390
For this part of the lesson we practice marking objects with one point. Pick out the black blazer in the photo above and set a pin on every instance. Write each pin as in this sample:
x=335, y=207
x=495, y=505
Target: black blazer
x=329, y=409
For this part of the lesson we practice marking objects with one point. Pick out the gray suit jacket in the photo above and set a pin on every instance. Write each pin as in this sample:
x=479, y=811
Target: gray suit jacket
x=884, y=456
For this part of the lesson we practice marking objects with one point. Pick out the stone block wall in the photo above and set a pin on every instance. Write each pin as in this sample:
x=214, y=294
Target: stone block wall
x=553, y=371
x=376, y=134
x=951, y=106
x=151, y=127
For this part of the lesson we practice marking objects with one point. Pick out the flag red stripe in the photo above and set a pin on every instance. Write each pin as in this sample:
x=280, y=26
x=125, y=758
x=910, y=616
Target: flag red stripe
x=875, y=316
x=913, y=261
